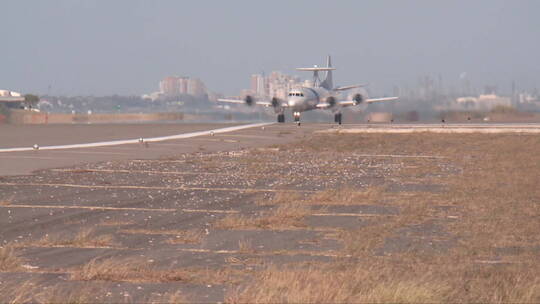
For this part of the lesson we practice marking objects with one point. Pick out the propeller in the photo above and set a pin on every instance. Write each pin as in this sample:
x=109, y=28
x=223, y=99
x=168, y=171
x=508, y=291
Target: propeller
x=275, y=102
x=331, y=101
x=249, y=100
x=358, y=98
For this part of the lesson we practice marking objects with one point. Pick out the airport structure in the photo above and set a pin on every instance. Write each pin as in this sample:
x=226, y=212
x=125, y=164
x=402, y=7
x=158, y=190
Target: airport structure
x=7, y=96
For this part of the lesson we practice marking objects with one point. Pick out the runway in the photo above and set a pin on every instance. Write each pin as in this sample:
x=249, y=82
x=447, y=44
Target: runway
x=68, y=145
x=191, y=201
x=137, y=140
x=529, y=128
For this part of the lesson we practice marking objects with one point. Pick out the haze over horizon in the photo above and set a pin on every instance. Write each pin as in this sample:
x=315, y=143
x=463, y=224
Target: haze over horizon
x=125, y=47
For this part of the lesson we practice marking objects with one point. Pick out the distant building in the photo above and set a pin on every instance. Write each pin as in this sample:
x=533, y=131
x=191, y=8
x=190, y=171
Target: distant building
x=196, y=87
x=484, y=102
x=274, y=85
x=528, y=98
x=174, y=86
x=7, y=96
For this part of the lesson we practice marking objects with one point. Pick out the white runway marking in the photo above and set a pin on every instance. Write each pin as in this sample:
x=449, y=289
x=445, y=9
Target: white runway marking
x=101, y=208
x=136, y=141
x=531, y=128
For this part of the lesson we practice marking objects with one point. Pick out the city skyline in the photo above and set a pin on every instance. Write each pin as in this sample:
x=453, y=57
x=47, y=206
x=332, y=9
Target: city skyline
x=124, y=47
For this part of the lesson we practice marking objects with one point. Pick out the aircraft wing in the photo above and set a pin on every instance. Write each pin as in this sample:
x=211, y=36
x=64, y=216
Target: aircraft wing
x=371, y=100
x=346, y=103
x=259, y=103
x=231, y=100
x=323, y=105
x=345, y=88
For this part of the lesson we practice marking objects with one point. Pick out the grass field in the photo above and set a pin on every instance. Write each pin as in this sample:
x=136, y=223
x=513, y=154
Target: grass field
x=490, y=210
x=435, y=218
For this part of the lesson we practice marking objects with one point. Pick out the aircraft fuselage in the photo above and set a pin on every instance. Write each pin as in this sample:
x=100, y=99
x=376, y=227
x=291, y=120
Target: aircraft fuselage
x=305, y=99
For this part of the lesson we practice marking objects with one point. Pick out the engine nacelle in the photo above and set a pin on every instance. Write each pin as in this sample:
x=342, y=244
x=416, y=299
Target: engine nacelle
x=331, y=101
x=249, y=100
x=275, y=102
x=358, y=98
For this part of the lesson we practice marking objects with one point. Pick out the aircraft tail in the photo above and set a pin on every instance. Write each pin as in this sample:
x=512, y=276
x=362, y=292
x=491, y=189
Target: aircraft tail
x=328, y=82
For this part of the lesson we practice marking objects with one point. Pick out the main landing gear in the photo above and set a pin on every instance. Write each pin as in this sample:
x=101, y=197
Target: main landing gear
x=281, y=118
x=296, y=116
x=337, y=118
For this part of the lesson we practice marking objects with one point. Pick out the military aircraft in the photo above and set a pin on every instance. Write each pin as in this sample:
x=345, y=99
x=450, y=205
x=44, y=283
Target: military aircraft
x=321, y=95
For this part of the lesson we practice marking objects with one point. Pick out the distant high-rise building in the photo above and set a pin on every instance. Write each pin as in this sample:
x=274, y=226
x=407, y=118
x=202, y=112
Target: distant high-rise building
x=174, y=86
x=196, y=87
x=274, y=85
x=169, y=86
x=183, y=84
x=253, y=83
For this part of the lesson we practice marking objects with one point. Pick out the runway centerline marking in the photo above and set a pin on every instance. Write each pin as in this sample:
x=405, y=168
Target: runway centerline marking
x=27, y=157
x=136, y=141
x=352, y=214
x=93, y=208
x=153, y=187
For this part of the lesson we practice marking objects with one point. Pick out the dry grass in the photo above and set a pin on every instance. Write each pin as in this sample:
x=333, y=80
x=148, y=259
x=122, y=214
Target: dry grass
x=284, y=216
x=245, y=246
x=391, y=281
x=9, y=261
x=280, y=198
x=85, y=238
x=347, y=196
x=109, y=223
x=36, y=291
x=186, y=237
x=492, y=201
x=180, y=236
x=137, y=271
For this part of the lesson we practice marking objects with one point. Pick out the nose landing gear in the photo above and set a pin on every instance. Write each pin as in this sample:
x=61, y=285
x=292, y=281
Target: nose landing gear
x=297, y=118
x=281, y=118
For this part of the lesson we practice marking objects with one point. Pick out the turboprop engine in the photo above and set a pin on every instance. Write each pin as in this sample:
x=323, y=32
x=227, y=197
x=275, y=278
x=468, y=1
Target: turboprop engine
x=331, y=101
x=358, y=98
x=249, y=100
x=276, y=104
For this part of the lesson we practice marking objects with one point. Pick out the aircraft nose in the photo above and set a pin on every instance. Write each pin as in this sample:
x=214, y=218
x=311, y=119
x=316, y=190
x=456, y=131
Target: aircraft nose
x=291, y=102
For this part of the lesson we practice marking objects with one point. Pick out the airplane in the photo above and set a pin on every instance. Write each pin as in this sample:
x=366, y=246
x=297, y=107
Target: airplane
x=322, y=95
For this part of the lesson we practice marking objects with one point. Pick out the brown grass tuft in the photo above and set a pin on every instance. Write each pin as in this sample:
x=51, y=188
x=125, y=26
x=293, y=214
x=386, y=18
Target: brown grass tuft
x=9, y=261
x=85, y=238
x=285, y=216
x=135, y=270
x=280, y=198
x=186, y=237
x=245, y=246
x=115, y=223
x=347, y=196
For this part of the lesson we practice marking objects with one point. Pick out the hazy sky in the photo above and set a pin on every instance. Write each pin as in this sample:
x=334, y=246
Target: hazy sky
x=126, y=47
